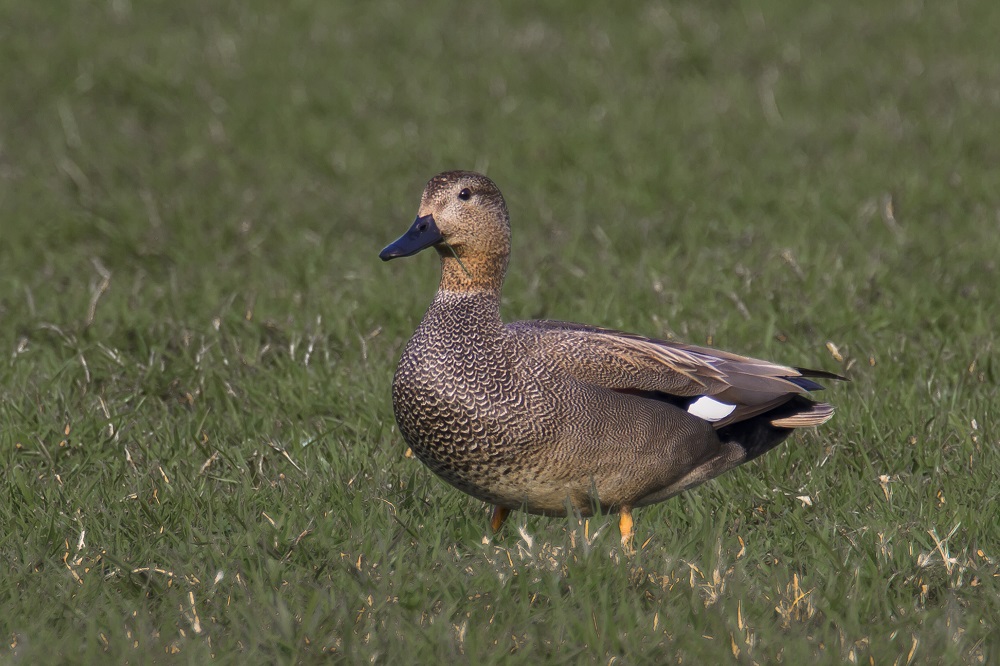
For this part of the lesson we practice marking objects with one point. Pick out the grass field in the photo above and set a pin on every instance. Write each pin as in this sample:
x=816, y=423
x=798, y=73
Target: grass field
x=199, y=458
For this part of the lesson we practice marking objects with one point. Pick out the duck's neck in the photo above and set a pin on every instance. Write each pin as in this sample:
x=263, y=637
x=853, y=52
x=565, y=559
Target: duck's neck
x=479, y=274
x=467, y=303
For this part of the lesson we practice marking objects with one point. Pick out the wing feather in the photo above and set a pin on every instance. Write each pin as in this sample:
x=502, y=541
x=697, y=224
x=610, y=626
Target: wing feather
x=646, y=366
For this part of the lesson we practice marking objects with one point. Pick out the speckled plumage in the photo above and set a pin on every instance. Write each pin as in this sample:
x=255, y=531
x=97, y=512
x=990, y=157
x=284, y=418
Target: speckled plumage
x=541, y=415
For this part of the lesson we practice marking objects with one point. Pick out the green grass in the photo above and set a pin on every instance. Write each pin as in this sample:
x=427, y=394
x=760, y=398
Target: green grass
x=198, y=451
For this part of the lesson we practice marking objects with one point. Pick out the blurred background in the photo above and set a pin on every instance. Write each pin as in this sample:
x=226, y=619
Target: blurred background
x=280, y=148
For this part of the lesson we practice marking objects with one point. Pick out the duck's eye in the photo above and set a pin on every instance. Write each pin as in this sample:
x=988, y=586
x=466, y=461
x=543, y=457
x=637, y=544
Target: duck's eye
x=465, y=194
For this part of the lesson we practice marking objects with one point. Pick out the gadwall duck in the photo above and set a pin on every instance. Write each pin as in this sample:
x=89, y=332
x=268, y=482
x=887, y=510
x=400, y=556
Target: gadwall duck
x=551, y=417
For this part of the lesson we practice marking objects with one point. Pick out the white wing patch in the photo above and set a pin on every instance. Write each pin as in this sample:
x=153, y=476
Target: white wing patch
x=709, y=409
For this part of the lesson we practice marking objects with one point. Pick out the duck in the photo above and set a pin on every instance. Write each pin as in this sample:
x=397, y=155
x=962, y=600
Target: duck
x=551, y=417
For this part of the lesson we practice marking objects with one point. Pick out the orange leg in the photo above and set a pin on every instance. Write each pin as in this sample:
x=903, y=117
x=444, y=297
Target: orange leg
x=498, y=518
x=625, y=527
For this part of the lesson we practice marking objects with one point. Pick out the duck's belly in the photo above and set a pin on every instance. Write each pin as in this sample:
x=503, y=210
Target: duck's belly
x=539, y=465
x=490, y=440
x=479, y=455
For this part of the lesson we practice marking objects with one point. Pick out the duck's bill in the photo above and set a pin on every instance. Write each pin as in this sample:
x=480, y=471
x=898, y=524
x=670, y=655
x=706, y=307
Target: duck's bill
x=421, y=235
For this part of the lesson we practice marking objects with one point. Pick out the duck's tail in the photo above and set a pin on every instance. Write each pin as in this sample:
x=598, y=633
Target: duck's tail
x=761, y=433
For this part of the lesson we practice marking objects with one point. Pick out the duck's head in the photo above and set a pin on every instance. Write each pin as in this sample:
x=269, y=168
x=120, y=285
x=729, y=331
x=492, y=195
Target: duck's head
x=463, y=216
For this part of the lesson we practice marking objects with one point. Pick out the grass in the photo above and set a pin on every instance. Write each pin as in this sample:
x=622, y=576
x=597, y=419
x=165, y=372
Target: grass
x=198, y=452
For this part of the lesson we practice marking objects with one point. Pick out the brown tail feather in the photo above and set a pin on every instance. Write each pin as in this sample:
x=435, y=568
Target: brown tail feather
x=761, y=433
x=818, y=412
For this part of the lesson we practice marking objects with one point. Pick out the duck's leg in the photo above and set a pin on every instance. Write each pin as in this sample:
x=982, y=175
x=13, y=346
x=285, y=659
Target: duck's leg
x=625, y=527
x=499, y=517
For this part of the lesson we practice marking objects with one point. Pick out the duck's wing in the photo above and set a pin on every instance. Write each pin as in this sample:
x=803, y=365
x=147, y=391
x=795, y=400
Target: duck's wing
x=717, y=386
